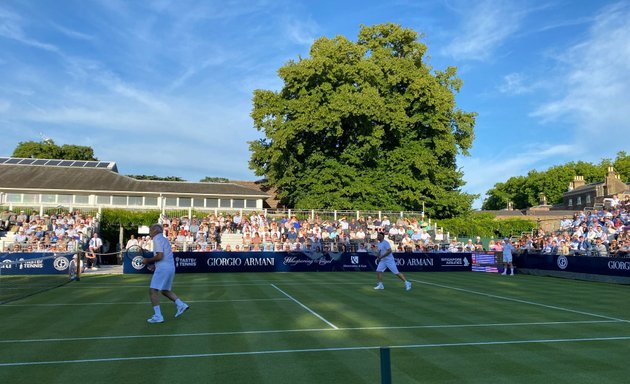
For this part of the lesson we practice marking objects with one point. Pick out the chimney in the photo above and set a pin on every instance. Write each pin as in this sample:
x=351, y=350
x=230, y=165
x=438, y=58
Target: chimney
x=578, y=181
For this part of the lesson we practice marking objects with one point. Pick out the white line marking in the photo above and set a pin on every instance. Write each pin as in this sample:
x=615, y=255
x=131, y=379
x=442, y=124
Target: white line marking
x=520, y=301
x=305, y=330
x=305, y=307
x=314, y=350
x=141, y=302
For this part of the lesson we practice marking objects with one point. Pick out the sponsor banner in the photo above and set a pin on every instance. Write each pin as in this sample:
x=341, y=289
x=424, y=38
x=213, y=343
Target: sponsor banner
x=34, y=263
x=578, y=264
x=303, y=261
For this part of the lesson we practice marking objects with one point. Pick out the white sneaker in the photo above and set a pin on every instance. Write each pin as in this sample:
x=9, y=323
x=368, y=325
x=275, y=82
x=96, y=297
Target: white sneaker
x=181, y=309
x=512, y=274
x=379, y=286
x=408, y=285
x=155, y=319
x=504, y=273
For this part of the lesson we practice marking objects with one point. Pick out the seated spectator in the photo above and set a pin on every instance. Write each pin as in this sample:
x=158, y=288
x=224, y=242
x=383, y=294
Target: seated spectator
x=599, y=249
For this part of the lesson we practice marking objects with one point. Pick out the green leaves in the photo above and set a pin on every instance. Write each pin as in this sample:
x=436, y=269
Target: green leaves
x=364, y=126
x=47, y=149
x=524, y=191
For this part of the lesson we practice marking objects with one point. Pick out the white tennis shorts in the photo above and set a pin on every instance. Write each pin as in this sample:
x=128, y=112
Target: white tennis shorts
x=507, y=258
x=387, y=263
x=163, y=279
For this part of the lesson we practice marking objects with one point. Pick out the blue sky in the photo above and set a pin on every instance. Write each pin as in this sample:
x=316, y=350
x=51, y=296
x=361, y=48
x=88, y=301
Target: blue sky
x=165, y=87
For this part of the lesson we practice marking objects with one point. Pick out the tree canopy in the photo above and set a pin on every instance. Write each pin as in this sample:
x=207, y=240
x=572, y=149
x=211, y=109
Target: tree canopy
x=47, y=149
x=365, y=125
x=209, y=179
x=154, y=177
x=524, y=191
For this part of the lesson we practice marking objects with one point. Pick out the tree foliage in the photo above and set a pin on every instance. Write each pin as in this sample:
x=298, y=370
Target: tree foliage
x=47, y=149
x=486, y=225
x=209, y=179
x=524, y=191
x=365, y=125
x=154, y=177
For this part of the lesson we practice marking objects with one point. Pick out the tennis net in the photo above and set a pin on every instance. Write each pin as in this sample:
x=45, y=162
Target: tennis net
x=23, y=275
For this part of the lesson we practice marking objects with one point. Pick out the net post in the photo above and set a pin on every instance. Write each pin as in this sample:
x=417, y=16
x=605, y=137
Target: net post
x=386, y=368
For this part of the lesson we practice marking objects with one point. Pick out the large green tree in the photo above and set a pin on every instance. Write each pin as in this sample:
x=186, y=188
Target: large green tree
x=365, y=125
x=524, y=191
x=47, y=149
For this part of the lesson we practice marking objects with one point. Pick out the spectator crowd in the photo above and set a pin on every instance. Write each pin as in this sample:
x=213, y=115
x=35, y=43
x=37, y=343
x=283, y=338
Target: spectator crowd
x=603, y=232
x=63, y=232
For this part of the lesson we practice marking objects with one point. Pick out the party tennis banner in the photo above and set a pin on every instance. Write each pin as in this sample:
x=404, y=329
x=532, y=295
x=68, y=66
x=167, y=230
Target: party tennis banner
x=200, y=262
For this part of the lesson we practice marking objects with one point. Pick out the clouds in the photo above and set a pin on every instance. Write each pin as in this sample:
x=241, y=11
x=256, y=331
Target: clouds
x=484, y=26
x=593, y=85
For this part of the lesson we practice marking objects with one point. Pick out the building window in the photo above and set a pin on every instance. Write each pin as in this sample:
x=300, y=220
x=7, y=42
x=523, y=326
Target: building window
x=225, y=203
x=49, y=198
x=106, y=200
x=185, y=202
x=570, y=202
x=82, y=199
x=250, y=203
x=238, y=203
x=212, y=203
x=170, y=202
x=31, y=198
x=135, y=200
x=14, y=197
x=579, y=200
x=119, y=200
x=198, y=203
x=152, y=201
x=64, y=199
x=588, y=199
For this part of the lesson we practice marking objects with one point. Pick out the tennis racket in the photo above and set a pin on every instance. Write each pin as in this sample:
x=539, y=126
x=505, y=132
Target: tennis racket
x=136, y=253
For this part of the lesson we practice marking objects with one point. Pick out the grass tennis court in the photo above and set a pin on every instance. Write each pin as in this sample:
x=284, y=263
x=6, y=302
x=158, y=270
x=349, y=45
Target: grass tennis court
x=321, y=328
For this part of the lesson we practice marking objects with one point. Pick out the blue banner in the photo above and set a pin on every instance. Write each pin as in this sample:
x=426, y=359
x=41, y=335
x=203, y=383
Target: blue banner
x=200, y=262
x=23, y=263
x=608, y=266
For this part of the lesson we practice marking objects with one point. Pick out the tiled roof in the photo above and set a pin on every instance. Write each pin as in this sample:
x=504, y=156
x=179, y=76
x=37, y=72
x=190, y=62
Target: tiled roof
x=42, y=177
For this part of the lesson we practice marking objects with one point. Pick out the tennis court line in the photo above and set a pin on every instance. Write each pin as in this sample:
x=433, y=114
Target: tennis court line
x=521, y=301
x=140, y=302
x=314, y=350
x=305, y=307
x=303, y=330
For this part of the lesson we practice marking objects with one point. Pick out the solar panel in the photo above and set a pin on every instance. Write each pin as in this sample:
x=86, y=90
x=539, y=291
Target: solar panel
x=60, y=163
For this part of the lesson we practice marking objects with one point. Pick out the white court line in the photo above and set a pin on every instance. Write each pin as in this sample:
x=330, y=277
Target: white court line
x=140, y=302
x=305, y=307
x=520, y=301
x=302, y=330
x=314, y=350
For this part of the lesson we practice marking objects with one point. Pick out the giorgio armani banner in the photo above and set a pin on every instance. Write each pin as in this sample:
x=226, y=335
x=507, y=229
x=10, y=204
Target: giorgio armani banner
x=302, y=262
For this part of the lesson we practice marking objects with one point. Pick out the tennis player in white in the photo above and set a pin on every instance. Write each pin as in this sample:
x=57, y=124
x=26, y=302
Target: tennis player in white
x=163, y=275
x=385, y=260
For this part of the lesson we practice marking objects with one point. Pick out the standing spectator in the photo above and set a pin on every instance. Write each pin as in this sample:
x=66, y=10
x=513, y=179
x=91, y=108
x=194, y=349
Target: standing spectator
x=163, y=266
x=508, y=248
x=385, y=260
x=95, y=246
x=132, y=242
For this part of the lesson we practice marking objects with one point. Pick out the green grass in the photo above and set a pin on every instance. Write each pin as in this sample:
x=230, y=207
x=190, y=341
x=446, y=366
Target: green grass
x=320, y=328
